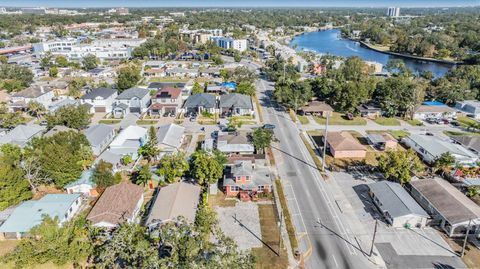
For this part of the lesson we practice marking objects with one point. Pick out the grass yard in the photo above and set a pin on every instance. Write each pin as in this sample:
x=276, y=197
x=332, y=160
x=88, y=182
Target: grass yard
x=286, y=215
x=303, y=119
x=146, y=122
x=387, y=121
x=466, y=121
x=266, y=256
x=259, y=108
x=110, y=121
x=454, y=134
x=169, y=79
x=219, y=200
x=338, y=119
x=415, y=122
x=316, y=159
x=242, y=120
x=399, y=134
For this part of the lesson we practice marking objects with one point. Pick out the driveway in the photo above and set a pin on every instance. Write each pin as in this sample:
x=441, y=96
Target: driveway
x=129, y=119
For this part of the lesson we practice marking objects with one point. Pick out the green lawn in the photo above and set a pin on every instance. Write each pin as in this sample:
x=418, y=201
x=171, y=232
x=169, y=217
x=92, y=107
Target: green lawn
x=453, y=133
x=303, y=119
x=387, y=121
x=466, y=121
x=110, y=121
x=146, y=122
x=338, y=119
x=169, y=79
x=398, y=134
x=415, y=122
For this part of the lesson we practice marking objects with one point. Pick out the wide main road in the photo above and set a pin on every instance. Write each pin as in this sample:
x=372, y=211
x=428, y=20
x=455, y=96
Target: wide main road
x=323, y=236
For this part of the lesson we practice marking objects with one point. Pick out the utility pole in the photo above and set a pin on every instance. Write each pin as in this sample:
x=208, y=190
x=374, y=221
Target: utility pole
x=465, y=239
x=280, y=222
x=325, y=143
x=373, y=239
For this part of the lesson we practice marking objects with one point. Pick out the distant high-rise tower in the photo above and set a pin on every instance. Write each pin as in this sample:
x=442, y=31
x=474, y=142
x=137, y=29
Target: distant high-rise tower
x=393, y=12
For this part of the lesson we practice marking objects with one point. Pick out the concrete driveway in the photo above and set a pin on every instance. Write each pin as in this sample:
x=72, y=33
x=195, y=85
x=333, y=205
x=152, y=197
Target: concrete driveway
x=129, y=119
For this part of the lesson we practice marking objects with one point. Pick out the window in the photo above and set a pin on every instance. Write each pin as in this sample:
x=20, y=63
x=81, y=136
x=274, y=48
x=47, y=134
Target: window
x=261, y=188
x=234, y=188
x=70, y=210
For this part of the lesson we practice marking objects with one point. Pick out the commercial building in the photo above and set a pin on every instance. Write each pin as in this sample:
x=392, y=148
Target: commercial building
x=470, y=107
x=393, y=12
x=230, y=43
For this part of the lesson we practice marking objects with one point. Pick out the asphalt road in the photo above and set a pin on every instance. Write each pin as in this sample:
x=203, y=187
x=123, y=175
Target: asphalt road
x=317, y=218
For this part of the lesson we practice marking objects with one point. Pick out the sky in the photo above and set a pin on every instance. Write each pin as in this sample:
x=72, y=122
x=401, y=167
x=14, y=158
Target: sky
x=237, y=3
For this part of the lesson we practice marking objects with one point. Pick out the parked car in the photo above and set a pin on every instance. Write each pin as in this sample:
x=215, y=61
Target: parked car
x=429, y=134
x=455, y=123
x=268, y=126
x=349, y=116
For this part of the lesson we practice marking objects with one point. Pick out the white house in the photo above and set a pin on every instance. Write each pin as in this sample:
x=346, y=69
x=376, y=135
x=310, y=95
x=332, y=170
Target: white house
x=40, y=94
x=31, y=213
x=100, y=136
x=469, y=107
x=170, y=137
x=101, y=99
x=437, y=112
x=133, y=100
x=430, y=148
x=83, y=185
x=128, y=141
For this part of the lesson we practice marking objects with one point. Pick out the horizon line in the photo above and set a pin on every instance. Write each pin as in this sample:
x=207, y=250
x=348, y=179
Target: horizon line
x=252, y=7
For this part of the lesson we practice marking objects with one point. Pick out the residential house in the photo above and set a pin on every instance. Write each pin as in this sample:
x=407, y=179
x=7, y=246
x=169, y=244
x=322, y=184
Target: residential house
x=317, y=108
x=471, y=142
x=100, y=136
x=22, y=134
x=470, y=107
x=118, y=204
x=397, y=206
x=382, y=141
x=246, y=180
x=128, y=141
x=430, y=148
x=167, y=100
x=61, y=103
x=434, y=110
x=370, y=110
x=344, y=145
x=31, y=213
x=182, y=72
x=83, y=185
x=197, y=103
x=42, y=95
x=5, y=97
x=58, y=129
x=234, y=143
x=170, y=137
x=175, y=200
x=235, y=104
x=133, y=100
x=100, y=99
x=449, y=208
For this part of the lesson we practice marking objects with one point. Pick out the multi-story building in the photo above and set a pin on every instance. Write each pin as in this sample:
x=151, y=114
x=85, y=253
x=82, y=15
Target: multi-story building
x=393, y=12
x=230, y=43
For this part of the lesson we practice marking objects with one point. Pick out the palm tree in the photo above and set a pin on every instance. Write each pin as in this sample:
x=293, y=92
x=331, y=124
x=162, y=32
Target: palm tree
x=143, y=175
x=35, y=108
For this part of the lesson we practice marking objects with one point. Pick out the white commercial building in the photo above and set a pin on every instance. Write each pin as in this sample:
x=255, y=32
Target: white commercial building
x=393, y=12
x=230, y=43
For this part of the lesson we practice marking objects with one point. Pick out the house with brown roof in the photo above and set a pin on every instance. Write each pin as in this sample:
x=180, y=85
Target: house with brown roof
x=234, y=143
x=449, y=208
x=175, y=200
x=166, y=101
x=317, y=108
x=434, y=111
x=344, y=145
x=118, y=204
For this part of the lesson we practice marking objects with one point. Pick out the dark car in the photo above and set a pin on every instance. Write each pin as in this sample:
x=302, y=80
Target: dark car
x=429, y=134
x=268, y=126
x=455, y=123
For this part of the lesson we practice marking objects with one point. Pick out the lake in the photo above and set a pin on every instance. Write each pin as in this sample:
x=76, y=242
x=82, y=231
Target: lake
x=330, y=42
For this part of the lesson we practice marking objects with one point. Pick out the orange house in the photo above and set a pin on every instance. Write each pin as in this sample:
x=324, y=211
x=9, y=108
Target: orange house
x=344, y=145
x=245, y=180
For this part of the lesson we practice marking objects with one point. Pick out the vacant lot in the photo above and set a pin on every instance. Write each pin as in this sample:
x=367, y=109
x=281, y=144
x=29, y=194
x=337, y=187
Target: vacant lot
x=340, y=119
x=387, y=121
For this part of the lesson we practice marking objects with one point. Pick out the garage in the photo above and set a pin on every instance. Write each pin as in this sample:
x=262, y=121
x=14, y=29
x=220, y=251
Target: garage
x=135, y=110
x=100, y=109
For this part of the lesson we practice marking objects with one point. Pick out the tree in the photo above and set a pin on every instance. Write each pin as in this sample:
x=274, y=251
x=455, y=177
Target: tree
x=472, y=191
x=237, y=57
x=13, y=187
x=197, y=88
x=150, y=150
x=128, y=77
x=60, y=156
x=225, y=74
x=292, y=94
x=53, y=71
x=102, y=175
x=445, y=160
x=89, y=62
x=262, y=138
x=61, y=61
x=205, y=168
x=46, y=61
x=246, y=88
x=14, y=77
x=173, y=166
x=35, y=108
x=75, y=85
x=142, y=175
x=126, y=159
x=217, y=60
x=400, y=165
x=243, y=74
x=50, y=242
x=72, y=116
x=33, y=172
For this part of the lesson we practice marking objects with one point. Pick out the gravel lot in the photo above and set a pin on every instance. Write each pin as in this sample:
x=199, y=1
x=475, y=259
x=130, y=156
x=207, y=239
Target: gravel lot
x=245, y=231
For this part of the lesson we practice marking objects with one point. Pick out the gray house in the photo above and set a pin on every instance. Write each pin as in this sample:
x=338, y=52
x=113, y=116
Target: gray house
x=198, y=103
x=396, y=205
x=235, y=104
x=100, y=100
x=133, y=100
x=99, y=137
x=22, y=134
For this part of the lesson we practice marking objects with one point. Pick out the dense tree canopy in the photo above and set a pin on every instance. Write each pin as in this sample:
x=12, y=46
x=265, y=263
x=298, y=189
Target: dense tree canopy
x=128, y=77
x=400, y=165
x=206, y=169
x=72, y=116
x=173, y=166
x=15, y=77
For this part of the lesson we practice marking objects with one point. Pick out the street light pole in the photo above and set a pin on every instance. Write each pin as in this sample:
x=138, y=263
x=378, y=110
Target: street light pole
x=325, y=143
x=280, y=234
x=465, y=239
x=373, y=239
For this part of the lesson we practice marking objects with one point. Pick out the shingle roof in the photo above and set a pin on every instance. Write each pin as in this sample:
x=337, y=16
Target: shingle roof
x=434, y=109
x=85, y=178
x=30, y=213
x=236, y=100
x=200, y=100
x=395, y=199
x=170, y=135
x=117, y=204
x=21, y=134
x=133, y=92
x=343, y=141
x=97, y=133
x=168, y=92
x=448, y=200
x=98, y=92
x=471, y=142
x=317, y=106
x=437, y=147
x=32, y=92
x=178, y=199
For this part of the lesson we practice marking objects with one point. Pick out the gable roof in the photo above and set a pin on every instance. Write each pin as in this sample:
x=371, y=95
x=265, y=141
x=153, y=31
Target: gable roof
x=133, y=93
x=343, y=141
x=437, y=147
x=242, y=168
x=21, y=134
x=434, y=109
x=170, y=135
x=85, y=178
x=30, y=213
x=98, y=92
x=202, y=99
x=96, y=134
x=168, y=92
x=317, y=106
x=452, y=204
x=236, y=100
x=117, y=204
x=395, y=199
x=160, y=85
x=178, y=199
x=471, y=142
x=132, y=132
x=32, y=92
